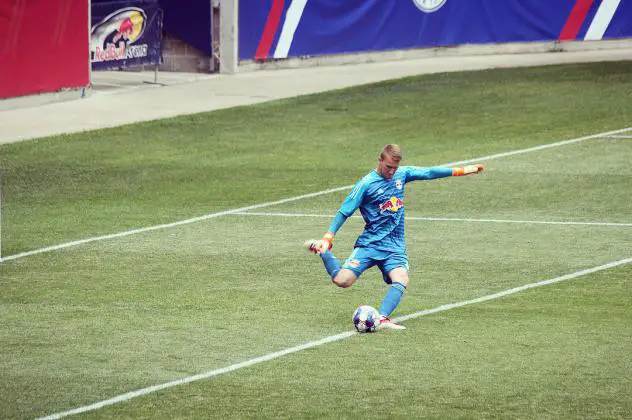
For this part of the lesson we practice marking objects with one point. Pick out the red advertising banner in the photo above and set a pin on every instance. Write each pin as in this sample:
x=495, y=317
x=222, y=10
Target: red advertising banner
x=44, y=46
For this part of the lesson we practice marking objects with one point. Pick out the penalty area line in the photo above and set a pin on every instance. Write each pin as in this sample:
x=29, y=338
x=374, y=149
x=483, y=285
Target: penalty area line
x=272, y=356
x=296, y=198
x=446, y=219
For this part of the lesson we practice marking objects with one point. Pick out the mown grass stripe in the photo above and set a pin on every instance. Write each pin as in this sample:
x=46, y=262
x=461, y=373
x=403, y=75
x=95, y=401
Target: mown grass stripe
x=272, y=356
x=291, y=199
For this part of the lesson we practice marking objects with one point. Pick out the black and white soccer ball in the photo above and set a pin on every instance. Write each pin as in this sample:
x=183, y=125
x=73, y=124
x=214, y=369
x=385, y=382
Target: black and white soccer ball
x=366, y=319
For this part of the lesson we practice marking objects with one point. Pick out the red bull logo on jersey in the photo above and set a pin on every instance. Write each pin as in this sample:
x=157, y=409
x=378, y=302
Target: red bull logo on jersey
x=393, y=204
x=114, y=36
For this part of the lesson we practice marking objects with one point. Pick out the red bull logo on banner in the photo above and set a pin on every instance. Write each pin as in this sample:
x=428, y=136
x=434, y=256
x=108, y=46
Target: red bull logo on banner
x=114, y=36
x=393, y=204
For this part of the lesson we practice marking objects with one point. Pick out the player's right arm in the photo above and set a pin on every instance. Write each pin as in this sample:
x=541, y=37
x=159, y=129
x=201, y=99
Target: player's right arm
x=348, y=207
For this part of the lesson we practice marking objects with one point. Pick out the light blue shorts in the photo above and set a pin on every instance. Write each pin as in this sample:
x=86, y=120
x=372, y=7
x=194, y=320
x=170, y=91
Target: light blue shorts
x=361, y=259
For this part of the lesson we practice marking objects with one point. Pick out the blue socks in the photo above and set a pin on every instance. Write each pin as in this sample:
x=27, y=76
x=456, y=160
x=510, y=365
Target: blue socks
x=332, y=265
x=392, y=298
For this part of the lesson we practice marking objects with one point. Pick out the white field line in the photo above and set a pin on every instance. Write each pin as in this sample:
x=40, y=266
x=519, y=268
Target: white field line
x=444, y=219
x=166, y=225
x=618, y=137
x=295, y=198
x=271, y=356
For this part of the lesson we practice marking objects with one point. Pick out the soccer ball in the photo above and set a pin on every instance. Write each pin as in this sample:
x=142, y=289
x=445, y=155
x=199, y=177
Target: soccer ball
x=366, y=319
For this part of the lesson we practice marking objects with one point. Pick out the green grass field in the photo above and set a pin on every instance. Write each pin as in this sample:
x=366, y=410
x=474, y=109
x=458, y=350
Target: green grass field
x=85, y=323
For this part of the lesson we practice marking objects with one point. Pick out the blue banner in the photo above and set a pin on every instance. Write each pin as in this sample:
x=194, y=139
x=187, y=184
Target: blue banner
x=276, y=29
x=125, y=33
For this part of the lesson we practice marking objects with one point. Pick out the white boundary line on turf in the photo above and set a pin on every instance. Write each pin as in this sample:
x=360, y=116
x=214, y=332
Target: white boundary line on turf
x=271, y=356
x=296, y=198
x=445, y=219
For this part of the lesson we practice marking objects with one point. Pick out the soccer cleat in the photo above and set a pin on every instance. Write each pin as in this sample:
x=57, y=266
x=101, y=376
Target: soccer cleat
x=385, y=322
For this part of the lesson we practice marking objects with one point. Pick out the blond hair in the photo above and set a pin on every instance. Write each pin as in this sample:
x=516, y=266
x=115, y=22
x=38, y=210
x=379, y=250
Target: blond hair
x=393, y=151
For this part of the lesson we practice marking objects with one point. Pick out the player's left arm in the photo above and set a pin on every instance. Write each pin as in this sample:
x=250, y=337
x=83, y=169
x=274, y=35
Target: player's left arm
x=468, y=170
x=414, y=173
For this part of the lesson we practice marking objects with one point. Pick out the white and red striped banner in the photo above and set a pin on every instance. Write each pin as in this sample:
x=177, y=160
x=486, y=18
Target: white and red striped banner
x=278, y=29
x=290, y=23
x=598, y=25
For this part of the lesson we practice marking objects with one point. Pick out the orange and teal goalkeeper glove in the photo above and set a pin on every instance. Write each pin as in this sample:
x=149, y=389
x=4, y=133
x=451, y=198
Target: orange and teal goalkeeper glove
x=327, y=242
x=321, y=245
x=468, y=170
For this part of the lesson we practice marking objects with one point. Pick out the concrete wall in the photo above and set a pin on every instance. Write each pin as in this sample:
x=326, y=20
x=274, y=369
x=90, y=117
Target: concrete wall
x=181, y=57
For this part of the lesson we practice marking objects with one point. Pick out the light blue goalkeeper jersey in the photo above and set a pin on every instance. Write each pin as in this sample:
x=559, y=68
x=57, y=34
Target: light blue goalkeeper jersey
x=381, y=203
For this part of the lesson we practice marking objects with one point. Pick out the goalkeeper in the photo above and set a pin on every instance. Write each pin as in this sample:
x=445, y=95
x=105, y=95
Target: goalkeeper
x=380, y=197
